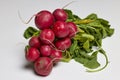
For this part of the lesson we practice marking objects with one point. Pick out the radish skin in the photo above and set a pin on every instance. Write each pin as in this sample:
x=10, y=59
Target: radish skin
x=47, y=36
x=63, y=44
x=60, y=15
x=32, y=54
x=44, y=19
x=60, y=29
x=43, y=66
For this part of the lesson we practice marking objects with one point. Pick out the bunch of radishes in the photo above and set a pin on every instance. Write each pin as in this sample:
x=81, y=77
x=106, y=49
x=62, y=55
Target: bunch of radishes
x=54, y=38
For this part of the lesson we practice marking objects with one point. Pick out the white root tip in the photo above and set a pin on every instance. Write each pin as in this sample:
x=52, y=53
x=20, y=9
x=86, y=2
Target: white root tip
x=68, y=4
x=25, y=22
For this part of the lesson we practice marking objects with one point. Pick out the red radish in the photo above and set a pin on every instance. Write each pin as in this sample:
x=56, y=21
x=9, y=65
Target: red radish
x=56, y=54
x=43, y=66
x=45, y=50
x=60, y=15
x=47, y=36
x=63, y=44
x=60, y=29
x=44, y=19
x=34, y=42
x=72, y=29
x=32, y=54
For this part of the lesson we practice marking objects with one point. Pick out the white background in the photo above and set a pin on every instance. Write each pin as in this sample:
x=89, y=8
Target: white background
x=12, y=61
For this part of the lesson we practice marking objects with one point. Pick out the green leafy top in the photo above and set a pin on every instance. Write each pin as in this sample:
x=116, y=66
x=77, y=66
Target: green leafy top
x=91, y=31
x=30, y=31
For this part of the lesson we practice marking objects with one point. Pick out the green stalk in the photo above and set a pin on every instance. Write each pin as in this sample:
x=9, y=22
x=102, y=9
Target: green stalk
x=106, y=58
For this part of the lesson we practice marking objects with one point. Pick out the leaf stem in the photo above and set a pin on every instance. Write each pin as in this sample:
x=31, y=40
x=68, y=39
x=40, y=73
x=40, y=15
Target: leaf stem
x=106, y=58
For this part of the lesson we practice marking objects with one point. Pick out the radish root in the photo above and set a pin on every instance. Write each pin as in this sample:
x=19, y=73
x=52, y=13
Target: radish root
x=68, y=4
x=25, y=22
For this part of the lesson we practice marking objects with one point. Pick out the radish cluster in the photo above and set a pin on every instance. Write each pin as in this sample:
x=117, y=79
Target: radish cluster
x=46, y=49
